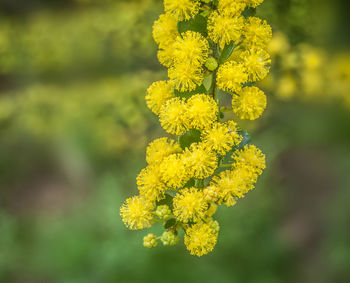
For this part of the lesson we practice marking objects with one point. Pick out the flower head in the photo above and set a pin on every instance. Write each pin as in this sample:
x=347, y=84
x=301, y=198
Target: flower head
x=191, y=47
x=161, y=148
x=174, y=171
x=200, y=239
x=181, y=9
x=165, y=30
x=169, y=238
x=249, y=103
x=253, y=3
x=231, y=76
x=202, y=111
x=221, y=138
x=250, y=157
x=189, y=205
x=257, y=33
x=166, y=56
x=150, y=184
x=136, y=213
x=257, y=63
x=185, y=76
x=157, y=94
x=150, y=241
x=231, y=7
x=173, y=116
x=223, y=29
x=201, y=161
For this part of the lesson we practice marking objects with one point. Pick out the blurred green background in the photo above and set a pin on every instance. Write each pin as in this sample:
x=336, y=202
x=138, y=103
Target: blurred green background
x=73, y=132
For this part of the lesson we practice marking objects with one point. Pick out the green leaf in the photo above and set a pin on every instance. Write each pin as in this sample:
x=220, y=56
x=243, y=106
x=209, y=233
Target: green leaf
x=168, y=200
x=226, y=52
x=197, y=23
x=188, y=94
x=190, y=183
x=246, y=139
x=189, y=137
x=171, y=222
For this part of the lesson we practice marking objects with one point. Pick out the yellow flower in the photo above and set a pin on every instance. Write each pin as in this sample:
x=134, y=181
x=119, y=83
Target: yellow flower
x=257, y=33
x=150, y=241
x=189, y=205
x=174, y=171
x=182, y=9
x=286, y=87
x=211, y=194
x=249, y=103
x=200, y=161
x=157, y=94
x=250, y=157
x=221, y=138
x=169, y=238
x=166, y=56
x=231, y=76
x=223, y=29
x=257, y=63
x=161, y=148
x=254, y=3
x=202, y=111
x=173, y=116
x=185, y=76
x=163, y=211
x=231, y=7
x=136, y=213
x=165, y=30
x=200, y=239
x=191, y=47
x=150, y=184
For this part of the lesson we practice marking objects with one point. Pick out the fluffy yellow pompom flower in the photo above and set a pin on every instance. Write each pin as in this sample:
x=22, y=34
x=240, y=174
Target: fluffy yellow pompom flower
x=257, y=33
x=174, y=171
x=231, y=7
x=150, y=184
x=173, y=116
x=185, y=76
x=165, y=30
x=157, y=94
x=257, y=63
x=223, y=29
x=182, y=9
x=253, y=3
x=249, y=103
x=251, y=158
x=136, y=213
x=231, y=76
x=202, y=111
x=189, y=205
x=200, y=239
x=221, y=138
x=200, y=160
x=191, y=47
x=161, y=148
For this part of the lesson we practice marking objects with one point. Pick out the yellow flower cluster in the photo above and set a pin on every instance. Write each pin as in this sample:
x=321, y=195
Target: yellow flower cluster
x=210, y=164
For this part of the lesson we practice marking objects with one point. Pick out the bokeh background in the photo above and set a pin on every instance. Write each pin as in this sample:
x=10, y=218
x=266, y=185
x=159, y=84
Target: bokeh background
x=73, y=132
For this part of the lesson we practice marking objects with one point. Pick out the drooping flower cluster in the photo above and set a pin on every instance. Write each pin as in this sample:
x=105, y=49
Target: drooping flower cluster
x=211, y=163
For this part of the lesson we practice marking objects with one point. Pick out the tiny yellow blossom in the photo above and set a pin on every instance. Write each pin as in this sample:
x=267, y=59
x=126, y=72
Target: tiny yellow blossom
x=231, y=7
x=150, y=241
x=231, y=76
x=202, y=111
x=201, y=161
x=191, y=47
x=161, y=148
x=186, y=77
x=169, y=238
x=173, y=116
x=249, y=103
x=163, y=211
x=150, y=184
x=257, y=33
x=250, y=157
x=189, y=205
x=136, y=213
x=174, y=172
x=182, y=9
x=165, y=30
x=257, y=63
x=221, y=138
x=254, y=3
x=166, y=56
x=158, y=93
x=211, y=194
x=223, y=29
x=200, y=239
